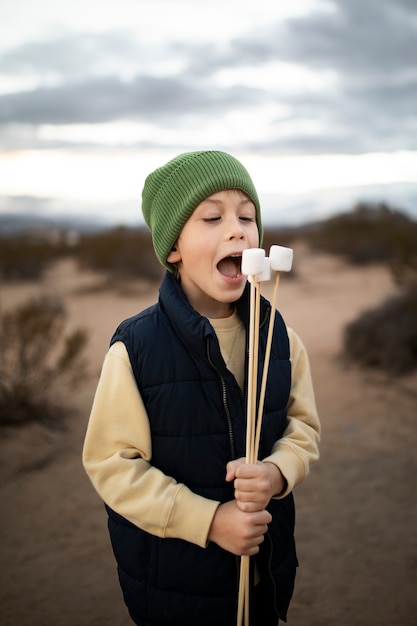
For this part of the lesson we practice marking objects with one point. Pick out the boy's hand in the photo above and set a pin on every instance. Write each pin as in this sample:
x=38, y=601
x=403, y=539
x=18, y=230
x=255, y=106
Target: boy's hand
x=255, y=484
x=236, y=531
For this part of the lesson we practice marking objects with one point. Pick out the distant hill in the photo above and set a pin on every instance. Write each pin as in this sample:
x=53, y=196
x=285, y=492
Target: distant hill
x=15, y=223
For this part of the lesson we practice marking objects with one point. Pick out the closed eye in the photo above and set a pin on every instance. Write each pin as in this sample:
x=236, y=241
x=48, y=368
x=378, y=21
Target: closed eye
x=212, y=219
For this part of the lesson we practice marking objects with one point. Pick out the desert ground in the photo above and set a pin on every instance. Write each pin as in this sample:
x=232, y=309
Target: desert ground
x=356, y=512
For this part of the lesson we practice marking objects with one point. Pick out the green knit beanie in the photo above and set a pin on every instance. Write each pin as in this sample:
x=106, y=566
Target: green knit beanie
x=173, y=191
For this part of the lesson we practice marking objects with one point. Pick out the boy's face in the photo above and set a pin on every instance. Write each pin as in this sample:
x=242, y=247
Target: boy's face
x=208, y=252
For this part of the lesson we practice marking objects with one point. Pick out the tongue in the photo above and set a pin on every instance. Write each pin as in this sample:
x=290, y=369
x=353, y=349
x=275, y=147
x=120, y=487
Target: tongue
x=227, y=267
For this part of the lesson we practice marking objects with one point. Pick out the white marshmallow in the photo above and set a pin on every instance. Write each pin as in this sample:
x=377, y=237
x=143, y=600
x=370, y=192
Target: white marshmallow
x=253, y=261
x=265, y=275
x=281, y=258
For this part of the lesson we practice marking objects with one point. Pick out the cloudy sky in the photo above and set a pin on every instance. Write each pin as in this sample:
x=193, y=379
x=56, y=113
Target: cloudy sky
x=317, y=98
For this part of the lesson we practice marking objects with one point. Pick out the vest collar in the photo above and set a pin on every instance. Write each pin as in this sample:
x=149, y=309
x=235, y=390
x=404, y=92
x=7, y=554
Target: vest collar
x=187, y=322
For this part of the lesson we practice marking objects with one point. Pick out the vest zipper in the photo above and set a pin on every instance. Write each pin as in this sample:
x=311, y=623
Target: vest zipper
x=231, y=436
x=225, y=404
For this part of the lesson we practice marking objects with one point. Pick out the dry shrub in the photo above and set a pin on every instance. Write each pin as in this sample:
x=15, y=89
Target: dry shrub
x=386, y=337
x=278, y=237
x=24, y=257
x=282, y=237
x=370, y=233
x=38, y=362
x=121, y=252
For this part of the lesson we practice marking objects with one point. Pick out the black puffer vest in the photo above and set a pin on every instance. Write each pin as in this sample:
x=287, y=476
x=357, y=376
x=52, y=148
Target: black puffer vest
x=197, y=417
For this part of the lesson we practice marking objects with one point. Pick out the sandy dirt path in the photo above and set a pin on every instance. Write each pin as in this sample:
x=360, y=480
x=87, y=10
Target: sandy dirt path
x=356, y=513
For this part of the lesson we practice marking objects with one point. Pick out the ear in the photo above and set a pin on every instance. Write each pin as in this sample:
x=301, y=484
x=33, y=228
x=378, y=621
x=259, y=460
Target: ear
x=174, y=256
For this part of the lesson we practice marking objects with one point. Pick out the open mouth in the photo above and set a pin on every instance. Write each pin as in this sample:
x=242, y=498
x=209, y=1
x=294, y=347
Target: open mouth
x=230, y=266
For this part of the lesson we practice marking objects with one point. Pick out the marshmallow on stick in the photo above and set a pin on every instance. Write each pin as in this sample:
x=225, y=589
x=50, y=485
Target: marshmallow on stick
x=280, y=259
x=262, y=276
x=265, y=274
x=253, y=264
x=253, y=261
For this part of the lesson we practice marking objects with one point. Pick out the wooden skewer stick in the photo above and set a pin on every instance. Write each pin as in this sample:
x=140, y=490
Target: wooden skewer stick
x=244, y=559
x=252, y=264
x=250, y=454
x=266, y=365
x=252, y=458
x=251, y=373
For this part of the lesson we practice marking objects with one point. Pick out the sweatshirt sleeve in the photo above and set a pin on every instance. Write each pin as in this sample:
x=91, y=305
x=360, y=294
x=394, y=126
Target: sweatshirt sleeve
x=298, y=447
x=117, y=456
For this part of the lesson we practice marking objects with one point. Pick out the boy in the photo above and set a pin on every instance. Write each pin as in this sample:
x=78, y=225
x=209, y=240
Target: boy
x=165, y=443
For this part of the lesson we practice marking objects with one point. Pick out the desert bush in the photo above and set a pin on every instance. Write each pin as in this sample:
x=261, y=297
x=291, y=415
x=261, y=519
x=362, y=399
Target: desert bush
x=369, y=233
x=122, y=252
x=278, y=236
x=386, y=337
x=404, y=265
x=282, y=237
x=39, y=363
x=25, y=256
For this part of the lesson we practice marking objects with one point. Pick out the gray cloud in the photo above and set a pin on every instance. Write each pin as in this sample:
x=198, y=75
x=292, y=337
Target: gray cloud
x=109, y=98
x=370, y=47
x=71, y=57
x=359, y=38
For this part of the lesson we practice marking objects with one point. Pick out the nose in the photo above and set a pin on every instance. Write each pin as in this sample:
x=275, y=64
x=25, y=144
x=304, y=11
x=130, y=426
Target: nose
x=235, y=229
